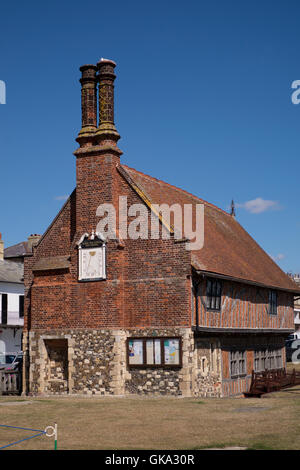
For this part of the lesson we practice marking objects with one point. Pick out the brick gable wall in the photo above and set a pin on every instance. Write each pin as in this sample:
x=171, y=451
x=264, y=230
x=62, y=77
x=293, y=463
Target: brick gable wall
x=148, y=281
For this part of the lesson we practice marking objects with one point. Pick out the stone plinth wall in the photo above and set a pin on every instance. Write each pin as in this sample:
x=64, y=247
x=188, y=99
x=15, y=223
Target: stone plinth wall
x=163, y=381
x=207, y=377
x=157, y=382
x=88, y=365
x=94, y=362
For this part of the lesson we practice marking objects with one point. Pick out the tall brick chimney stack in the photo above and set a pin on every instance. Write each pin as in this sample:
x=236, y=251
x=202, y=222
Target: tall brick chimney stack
x=98, y=156
x=88, y=105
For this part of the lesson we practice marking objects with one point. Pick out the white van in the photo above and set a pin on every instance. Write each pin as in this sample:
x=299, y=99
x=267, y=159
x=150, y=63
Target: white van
x=295, y=335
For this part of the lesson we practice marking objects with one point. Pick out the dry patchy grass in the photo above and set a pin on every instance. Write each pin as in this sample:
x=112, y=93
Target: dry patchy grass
x=271, y=422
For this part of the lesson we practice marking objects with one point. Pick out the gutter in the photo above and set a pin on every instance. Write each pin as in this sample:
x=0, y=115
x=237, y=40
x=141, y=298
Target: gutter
x=211, y=330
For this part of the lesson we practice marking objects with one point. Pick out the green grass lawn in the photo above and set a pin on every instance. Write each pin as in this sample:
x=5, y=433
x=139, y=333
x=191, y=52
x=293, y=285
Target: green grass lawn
x=271, y=422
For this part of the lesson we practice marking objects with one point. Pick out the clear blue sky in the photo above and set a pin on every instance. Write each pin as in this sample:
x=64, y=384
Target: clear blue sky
x=202, y=100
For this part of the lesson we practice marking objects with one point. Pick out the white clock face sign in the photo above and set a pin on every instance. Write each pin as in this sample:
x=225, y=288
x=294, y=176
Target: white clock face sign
x=92, y=263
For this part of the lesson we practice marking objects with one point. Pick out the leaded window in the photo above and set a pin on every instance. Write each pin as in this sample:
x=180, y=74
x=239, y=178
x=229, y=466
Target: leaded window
x=273, y=302
x=237, y=363
x=267, y=359
x=260, y=360
x=213, y=294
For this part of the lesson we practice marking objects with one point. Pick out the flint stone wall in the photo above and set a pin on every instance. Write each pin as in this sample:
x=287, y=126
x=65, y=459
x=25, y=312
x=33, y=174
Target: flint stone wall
x=94, y=362
x=89, y=365
x=163, y=381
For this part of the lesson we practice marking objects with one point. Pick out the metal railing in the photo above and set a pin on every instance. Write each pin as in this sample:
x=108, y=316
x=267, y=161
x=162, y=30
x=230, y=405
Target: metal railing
x=10, y=382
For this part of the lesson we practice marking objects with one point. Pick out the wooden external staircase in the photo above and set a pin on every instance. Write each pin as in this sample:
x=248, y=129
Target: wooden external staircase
x=271, y=381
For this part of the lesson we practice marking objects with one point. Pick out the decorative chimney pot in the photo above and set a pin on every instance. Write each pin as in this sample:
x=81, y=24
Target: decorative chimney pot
x=106, y=130
x=88, y=104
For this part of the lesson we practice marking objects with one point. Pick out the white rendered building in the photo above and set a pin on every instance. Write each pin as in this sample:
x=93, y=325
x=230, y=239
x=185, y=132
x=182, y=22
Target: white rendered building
x=11, y=306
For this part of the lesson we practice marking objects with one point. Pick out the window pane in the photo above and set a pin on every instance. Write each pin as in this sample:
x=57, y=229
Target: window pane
x=273, y=302
x=135, y=351
x=218, y=300
x=149, y=351
x=171, y=348
x=213, y=302
x=218, y=303
x=157, y=349
x=208, y=293
x=213, y=294
x=4, y=308
x=238, y=363
x=21, y=306
x=208, y=288
x=214, y=288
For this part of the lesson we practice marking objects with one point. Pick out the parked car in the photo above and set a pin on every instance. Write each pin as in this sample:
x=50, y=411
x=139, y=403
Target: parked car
x=11, y=361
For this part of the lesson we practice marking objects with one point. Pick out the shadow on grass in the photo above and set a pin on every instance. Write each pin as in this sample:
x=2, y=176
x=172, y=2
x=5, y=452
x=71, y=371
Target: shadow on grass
x=218, y=445
x=266, y=442
x=230, y=445
x=260, y=442
x=294, y=390
x=260, y=446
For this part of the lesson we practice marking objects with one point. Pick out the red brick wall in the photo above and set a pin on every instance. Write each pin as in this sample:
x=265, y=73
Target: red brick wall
x=147, y=281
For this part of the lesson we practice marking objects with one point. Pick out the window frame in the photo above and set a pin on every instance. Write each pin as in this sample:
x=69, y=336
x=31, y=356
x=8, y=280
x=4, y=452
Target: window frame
x=260, y=355
x=240, y=356
x=213, y=294
x=21, y=306
x=4, y=308
x=278, y=358
x=162, y=365
x=271, y=359
x=267, y=356
x=273, y=302
x=257, y=360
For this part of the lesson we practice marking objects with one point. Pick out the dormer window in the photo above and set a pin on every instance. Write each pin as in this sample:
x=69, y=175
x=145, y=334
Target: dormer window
x=273, y=302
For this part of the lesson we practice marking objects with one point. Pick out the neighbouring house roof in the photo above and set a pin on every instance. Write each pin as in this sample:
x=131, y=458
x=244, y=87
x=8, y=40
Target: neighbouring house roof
x=11, y=272
x=16, y=251
x=228, y=249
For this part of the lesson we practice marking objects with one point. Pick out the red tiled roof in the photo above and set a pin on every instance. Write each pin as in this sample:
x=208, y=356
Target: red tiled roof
x=228, y=249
